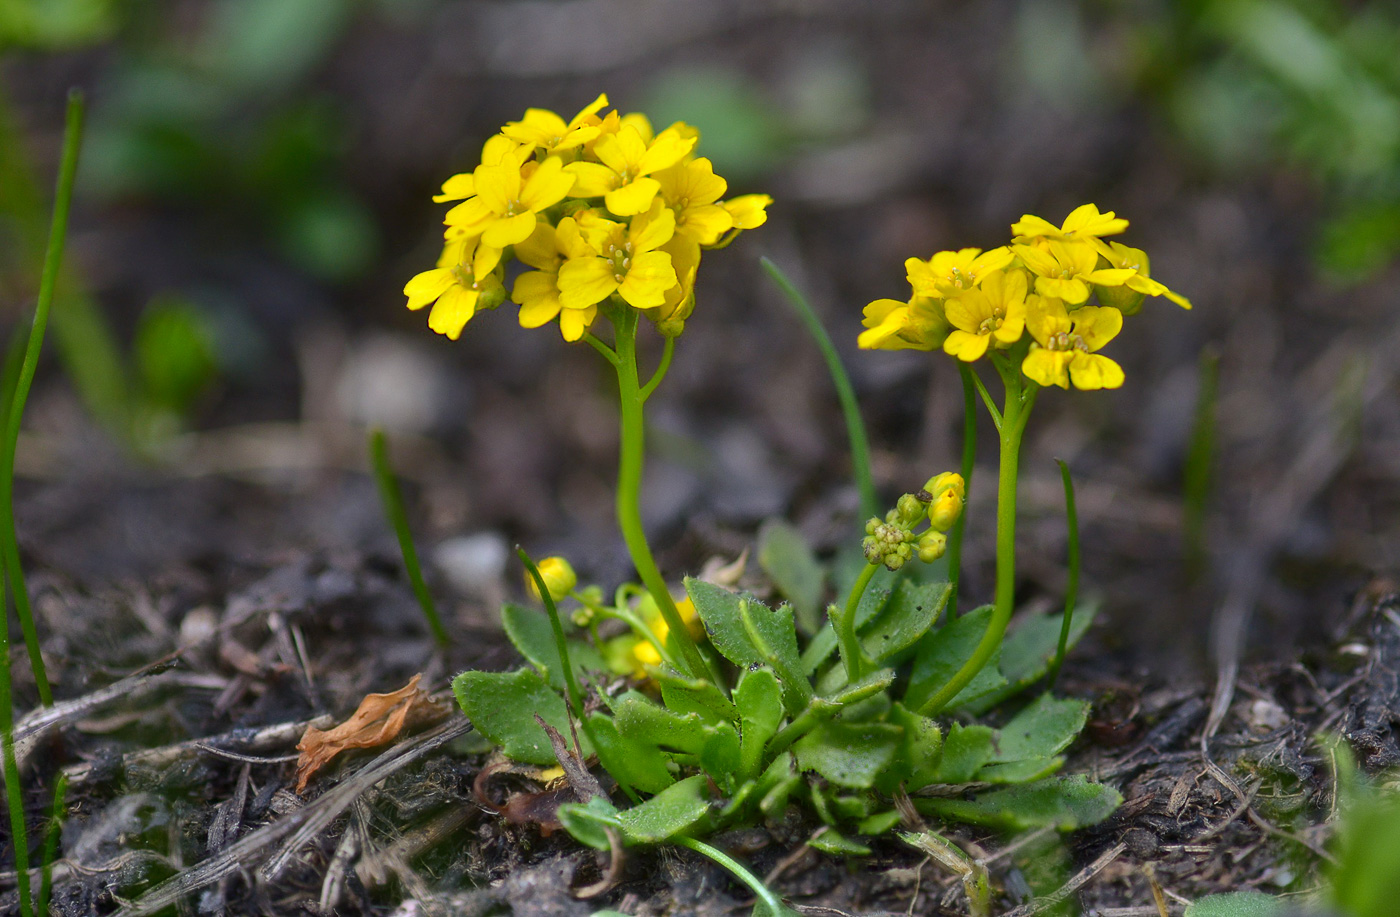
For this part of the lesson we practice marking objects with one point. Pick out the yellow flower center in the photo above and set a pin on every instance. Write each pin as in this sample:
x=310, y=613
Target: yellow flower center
x=465, y=277
x=620, y=256
x=962, y=280
x=1066, y=340
x=993, y=322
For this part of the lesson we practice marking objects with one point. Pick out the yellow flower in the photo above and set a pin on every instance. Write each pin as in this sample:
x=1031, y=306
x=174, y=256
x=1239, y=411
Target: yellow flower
x=504, y=209
x=498, y=149
x=645, y=653
x=1140, y=284
x=537, y=291
x=1084, y=222
x=670, y=316
x=690, y=189
x=625, y=261
x=949, y=273
x=1065, y=345
x=993, y=313
x=543, y=128
x=1064, y=269
x=558, y=575
x=918, y=324
x=455, y=290
x=626, y=160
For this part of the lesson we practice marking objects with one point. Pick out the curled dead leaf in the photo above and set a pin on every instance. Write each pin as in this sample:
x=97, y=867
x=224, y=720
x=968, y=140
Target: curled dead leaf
x=378, y=720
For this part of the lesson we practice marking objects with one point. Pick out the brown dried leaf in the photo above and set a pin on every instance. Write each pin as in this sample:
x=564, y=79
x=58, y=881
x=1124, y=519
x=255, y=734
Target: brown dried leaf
x=377, y=721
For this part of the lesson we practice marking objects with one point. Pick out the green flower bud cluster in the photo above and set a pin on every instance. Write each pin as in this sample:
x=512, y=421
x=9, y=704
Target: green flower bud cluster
x=892, y=541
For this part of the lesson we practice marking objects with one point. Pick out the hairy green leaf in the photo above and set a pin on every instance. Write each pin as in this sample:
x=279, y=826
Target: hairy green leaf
x=829, y=840
x=1235, y=904
x=965, y=750
x=906, y=617
x=588, y=822
x=920, y=751
x=848, y=754
x=502, y=705
x=747, y=632
x=1028, y=651
x=760, y=703
x=1064, y=803
x=1044, y=728
x=632, y=761
x=532, y=634
x=668, y=813
x=694, y=695
x=643, y=718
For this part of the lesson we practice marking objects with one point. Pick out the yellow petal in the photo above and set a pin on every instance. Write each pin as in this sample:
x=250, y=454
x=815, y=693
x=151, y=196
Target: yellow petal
x=539, y=250
x=539, y=127
x=1073, y=291
x=652, y=229
x=547, y=186
x=1085, y=220
x=469, y=215
x=453, y=311
x=620, y=151
x=648, y=278
x=585, y=281
x=749, y=211
x=968, y=311
x=995, y=259
x=574, y=322
x=1097, y=325
x=428, y=286
x=1011, y=328
x=1177, y=298
x=570, y=240
x=1110, y=277
x=485, y=260
x=1046, y=318
x=537, y=292
x=1047, y=367
x=966, y=347
x=633, y=197
x=1030, y=225
x=509, y=231
x=457, y=188
x=1090, y=371
x=666, y=150
x=592, y=179
x=1037, y=259
x=586, y=114
x=706, y=223
x=497, y=186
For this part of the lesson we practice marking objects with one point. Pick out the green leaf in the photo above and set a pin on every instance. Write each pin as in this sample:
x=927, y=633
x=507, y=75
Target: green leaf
x=502, y=705
x=719, y=757
x=668, y=813
x=1028, y=650
x=848, y=754
x=760, y=703
x=965, y=750
x=530, y=631
x=694, y=695
x=920, y=750
x=1022, y=771
x=632, y=762
x=588, y=822
x=1065, y=803
x=1044, y=728
x=641, y=717
x=1235, y=904
x=942, y=653
x=906, y=617
x=747, y=632
x=879, y=823
x=829, y=840
x=789, y=562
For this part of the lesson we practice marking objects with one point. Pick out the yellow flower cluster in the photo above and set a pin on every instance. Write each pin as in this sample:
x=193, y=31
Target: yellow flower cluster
x=599, y=206
x=969, y=301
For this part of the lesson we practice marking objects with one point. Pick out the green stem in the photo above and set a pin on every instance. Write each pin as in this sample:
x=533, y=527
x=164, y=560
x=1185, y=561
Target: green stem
x=60, y=796
x=1019, y=401
x=770, y=901
x=668, y=351
x=969, y=457
x=629, y=485
x=855, y=426
x=53, y=257
x=1072, y=587
x=561, y=643
x=851, y=653
x=398, y=518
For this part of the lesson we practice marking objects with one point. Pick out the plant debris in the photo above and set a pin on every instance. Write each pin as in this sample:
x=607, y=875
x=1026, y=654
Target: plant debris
x=378, y=721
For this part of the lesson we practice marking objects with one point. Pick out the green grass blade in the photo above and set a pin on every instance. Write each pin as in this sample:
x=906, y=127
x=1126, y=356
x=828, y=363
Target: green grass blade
x=556, y=625
x=60, y=799
x=1200, y=462
x=398, y=518
x=1072, y=587
x=9, y=543
x=969, y=457
x=855, y=426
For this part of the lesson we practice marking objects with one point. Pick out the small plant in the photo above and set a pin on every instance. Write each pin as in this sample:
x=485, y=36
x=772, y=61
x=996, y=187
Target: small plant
x=716, y=710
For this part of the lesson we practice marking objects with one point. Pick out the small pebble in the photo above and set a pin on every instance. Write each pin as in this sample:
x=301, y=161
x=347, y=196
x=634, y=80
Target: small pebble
x=473, y=563
x=199, y=627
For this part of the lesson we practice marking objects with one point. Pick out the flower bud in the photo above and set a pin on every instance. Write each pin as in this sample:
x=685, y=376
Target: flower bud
x=872, y=548
x=937, y=484
x=945, y=509
x=559, y=578
x=931, y=546
x=872, y=525
x=909, y=509
x=894, y=561
x=1125, y=300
